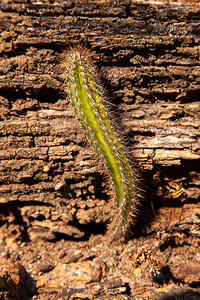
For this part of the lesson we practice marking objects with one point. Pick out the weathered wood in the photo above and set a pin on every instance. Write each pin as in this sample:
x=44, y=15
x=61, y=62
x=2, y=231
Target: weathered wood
x=148, y=57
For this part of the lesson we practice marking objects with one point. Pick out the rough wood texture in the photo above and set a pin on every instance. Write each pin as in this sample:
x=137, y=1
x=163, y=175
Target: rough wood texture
x=148, y=55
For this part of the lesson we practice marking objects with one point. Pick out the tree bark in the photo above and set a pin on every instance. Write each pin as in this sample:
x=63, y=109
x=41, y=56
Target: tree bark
x=148, y=59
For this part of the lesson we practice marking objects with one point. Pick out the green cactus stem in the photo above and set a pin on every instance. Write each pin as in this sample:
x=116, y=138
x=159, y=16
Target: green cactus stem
x=87, y=100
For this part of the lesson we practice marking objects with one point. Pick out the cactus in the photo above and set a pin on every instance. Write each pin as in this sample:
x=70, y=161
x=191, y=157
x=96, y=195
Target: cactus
x=88, y=101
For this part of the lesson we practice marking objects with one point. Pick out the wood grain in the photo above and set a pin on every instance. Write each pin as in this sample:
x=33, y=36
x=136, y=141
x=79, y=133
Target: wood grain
x=148, y=59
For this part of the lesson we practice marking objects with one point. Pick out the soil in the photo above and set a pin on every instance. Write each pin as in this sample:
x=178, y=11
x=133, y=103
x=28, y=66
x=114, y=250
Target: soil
x=162, y=259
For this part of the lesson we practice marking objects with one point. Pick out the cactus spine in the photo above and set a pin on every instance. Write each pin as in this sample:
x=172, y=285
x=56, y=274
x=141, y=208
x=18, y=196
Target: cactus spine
x=87, y=100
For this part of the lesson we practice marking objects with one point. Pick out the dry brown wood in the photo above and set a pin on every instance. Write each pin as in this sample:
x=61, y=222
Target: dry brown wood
x=148, y=58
